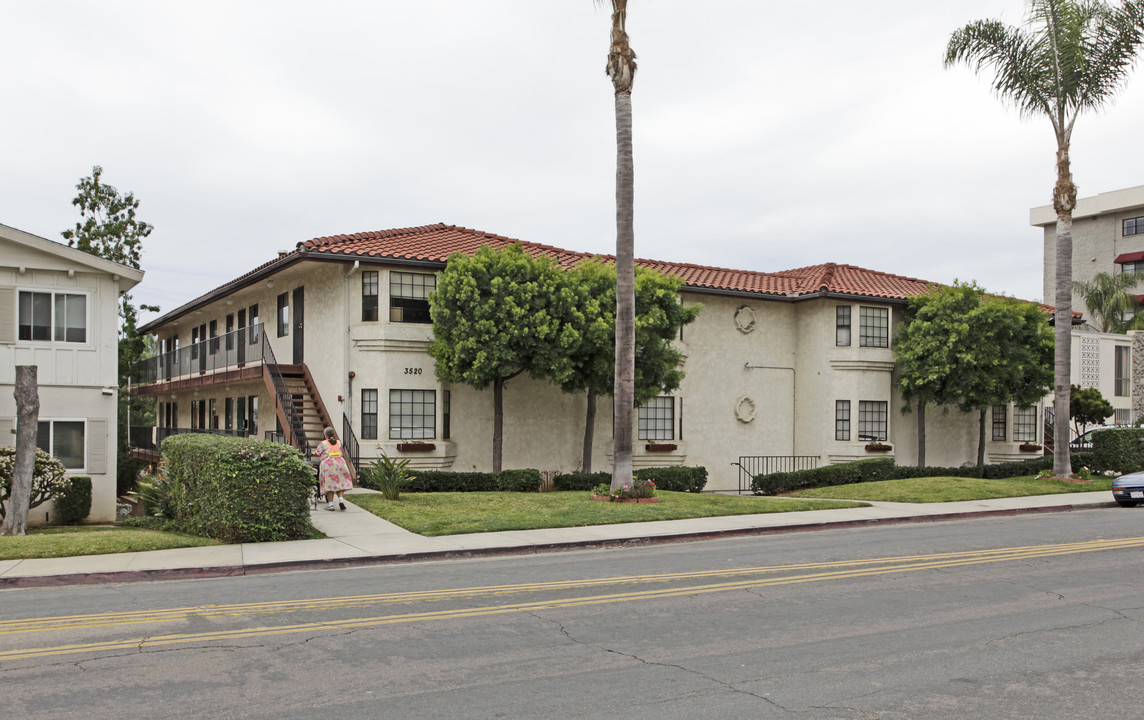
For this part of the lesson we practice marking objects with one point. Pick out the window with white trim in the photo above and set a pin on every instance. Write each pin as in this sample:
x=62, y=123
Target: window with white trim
x=873, y=327
x=1025, y=425
x=369, y=414
x=842, y=420
x=842, y=325
x=63, y=440
x=412, y=414
x=656, y=419
x=59, y=317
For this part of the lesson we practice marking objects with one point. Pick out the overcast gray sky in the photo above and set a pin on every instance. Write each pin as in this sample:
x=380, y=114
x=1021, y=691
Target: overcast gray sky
x=768, y=136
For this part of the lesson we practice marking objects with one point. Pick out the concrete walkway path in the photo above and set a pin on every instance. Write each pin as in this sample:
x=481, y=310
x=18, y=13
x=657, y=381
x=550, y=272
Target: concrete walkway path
x=356, y=537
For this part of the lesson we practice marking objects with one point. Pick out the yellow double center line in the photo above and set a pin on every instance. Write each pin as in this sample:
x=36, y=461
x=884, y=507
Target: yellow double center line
x=743, y=578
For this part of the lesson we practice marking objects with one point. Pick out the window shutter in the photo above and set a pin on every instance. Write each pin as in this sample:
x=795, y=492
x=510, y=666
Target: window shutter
x=96, y=442
x=7, y=315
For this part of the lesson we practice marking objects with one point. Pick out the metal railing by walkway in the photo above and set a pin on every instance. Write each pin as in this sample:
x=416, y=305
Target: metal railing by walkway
x=752, y=465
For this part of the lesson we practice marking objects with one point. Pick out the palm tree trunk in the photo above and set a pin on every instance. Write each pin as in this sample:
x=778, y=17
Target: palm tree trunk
x=1064, y=200
x=921, y=432
x=621, y=69
x=589, y=432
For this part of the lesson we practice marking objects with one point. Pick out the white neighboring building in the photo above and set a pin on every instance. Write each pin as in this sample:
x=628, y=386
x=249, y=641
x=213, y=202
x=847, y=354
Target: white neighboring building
x=59, y=311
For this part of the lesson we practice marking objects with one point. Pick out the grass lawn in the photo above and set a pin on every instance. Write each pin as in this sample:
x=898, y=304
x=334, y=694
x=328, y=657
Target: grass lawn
x=952, y=489
x=456, y=513
x=71, y=541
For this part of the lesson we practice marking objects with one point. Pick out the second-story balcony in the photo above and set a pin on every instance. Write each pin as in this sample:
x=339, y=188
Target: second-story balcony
x=232, y=357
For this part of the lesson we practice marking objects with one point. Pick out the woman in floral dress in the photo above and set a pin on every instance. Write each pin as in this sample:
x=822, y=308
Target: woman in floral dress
x=333, y=473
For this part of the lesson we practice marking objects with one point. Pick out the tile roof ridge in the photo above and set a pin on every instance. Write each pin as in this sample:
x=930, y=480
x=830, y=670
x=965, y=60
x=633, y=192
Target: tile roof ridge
x=527, y=243
x=321, y=241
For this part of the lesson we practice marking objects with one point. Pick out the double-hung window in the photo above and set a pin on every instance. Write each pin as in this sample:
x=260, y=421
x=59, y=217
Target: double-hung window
x=46, y=316
x=842, y=420
x=369, y=296
x=409, y=297
x=63, y=440
x=873, y=420
x=656, y=419
x=1025, y=425
x=1123, y=367
x=369, y=414
x=1000, y=421
x=873, y=327
x=412, y=414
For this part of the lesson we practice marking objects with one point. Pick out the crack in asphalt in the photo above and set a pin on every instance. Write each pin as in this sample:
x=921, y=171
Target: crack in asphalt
x=637, y=658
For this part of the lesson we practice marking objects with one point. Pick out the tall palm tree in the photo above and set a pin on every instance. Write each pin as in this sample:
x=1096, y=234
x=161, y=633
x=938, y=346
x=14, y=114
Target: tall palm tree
x=621, y=69
x=1072, y=55
x=1108, y=301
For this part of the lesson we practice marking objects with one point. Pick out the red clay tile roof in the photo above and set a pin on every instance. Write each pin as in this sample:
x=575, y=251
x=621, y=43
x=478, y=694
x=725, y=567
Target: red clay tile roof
x=434, y=244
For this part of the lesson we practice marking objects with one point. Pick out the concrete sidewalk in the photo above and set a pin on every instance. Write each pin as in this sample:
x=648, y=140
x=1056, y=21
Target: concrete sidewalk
x=356, y=537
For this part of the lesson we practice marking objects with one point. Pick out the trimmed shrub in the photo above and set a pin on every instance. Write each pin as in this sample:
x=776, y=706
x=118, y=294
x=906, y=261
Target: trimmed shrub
x=519, y=481
x=446, y=481
x=827, y=476
x=676, y=478
x=73, y=501
x=48, y=476
x=581, y=481
x=238, y=489
x=1118, y=449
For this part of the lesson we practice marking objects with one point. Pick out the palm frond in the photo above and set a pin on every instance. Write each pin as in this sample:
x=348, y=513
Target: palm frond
x=1019, y=71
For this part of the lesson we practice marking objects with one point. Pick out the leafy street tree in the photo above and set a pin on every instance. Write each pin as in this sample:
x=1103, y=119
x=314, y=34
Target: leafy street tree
x=1088, y=408
x=960, y=347
x=497, y=315
x=928, y=349
x=1010, y=360
x=621, y=69
x=1108, y=300
x=18, y=490
x=110, y=229
x=1072, y=56
x=659, y=318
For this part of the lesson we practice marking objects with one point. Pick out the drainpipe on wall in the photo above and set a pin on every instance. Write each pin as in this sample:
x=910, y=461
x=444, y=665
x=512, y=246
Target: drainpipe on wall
x=347, y=384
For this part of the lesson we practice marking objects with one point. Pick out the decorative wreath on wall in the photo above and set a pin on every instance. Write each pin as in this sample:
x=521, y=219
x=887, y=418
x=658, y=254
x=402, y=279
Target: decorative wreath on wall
x=745, y=319
x=745, y=409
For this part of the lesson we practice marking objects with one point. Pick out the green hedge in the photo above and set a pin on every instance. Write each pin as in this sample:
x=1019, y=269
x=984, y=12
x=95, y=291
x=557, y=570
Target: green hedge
x=885, y=469
x=430, y=481
x=1120, y=450
x=675, y=479
x=73, y=501
x=238, y=489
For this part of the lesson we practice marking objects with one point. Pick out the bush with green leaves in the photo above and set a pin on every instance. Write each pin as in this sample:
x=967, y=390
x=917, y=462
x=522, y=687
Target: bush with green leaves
x=387, y=475
x=238, y=489
x=48, y=477
x=153, y=493
x=73, y=501
x=1118, y=449
x=674, y=479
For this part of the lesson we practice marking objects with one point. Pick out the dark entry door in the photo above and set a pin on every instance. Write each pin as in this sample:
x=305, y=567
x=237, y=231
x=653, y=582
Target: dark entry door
x=299, y=314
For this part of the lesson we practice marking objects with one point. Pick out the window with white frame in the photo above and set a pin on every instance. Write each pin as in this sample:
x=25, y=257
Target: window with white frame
x=1025, y=425
x=63, y=440
x=1122, y=387
x=409, y=296
x=873, y=420
x=873, y=327
x=412, y=414
x=59, y=317
x=656, y=419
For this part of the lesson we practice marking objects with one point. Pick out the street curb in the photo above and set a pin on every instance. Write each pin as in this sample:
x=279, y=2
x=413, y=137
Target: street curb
x=122, y=576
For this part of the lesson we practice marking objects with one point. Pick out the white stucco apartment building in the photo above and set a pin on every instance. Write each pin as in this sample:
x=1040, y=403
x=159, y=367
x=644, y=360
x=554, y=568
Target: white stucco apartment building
x=793, y=366
x=59, y=311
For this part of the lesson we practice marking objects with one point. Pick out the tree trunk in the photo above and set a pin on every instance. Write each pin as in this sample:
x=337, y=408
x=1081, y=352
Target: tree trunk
x=589, y=432
x=921, y=433
x=981, y=439
x=498, y=422
x=625, y=296
x=1064, y=200
x=27, y=415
